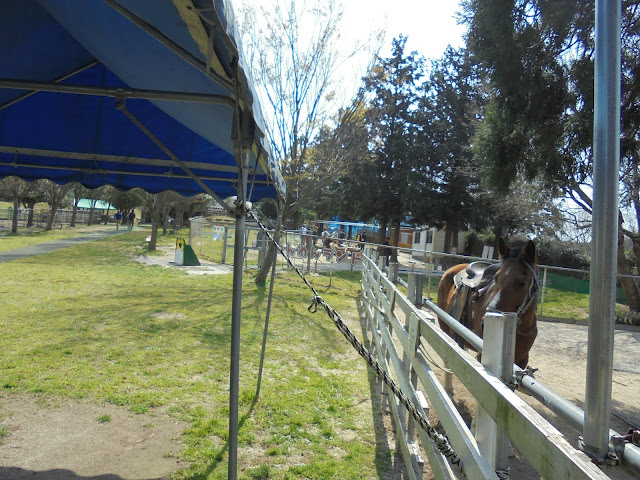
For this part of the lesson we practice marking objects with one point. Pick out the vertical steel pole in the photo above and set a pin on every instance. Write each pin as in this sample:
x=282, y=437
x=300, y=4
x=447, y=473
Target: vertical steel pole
x=236, y=314
x=606, y=152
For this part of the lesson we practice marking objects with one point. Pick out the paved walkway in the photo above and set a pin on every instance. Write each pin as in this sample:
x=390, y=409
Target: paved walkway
x=53, y=245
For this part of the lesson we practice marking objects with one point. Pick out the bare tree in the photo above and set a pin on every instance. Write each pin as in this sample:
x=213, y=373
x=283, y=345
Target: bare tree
x=15, y=190
x=157, y=204
x=94, y=195
x=79, y=191
x=55, y=196
x=294, y=56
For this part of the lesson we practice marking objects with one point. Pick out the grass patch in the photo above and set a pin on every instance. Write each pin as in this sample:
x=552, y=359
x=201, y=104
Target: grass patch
x=104, y=419
x=97, y=325
x=4, y=433
x=561, y=304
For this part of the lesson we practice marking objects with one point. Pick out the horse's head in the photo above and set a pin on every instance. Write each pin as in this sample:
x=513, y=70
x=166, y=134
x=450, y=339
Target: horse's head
x=515, y=285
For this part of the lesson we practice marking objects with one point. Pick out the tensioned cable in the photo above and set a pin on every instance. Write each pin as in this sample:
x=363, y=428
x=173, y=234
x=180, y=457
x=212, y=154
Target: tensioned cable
x=440, y=440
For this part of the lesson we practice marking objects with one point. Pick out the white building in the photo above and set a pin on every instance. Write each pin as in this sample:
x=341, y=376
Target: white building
x=431, y=239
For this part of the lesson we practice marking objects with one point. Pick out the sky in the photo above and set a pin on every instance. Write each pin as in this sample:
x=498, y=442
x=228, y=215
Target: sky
x=430, y=25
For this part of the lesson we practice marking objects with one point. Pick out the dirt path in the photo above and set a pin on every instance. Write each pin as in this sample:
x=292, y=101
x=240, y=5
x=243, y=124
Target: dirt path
x=74, y=440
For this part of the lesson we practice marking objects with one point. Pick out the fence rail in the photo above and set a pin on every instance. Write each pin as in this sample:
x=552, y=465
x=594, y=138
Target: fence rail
x=564, y=292
x=398, y=329
x=40, y=217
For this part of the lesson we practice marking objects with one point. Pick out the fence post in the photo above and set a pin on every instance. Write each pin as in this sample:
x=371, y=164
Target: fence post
x=309, y=241
x=382, y=263
x=419, y=288
x=544, y=288
x=393, y=272
x=411, y=287
x=224, y=244
x=498, y=353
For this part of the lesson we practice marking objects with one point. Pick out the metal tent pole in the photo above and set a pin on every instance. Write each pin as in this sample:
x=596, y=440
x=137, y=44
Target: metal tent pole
x=606, y=153
x=236, y=315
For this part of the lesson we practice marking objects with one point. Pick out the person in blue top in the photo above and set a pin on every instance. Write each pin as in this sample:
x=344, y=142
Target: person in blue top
x=118, y=218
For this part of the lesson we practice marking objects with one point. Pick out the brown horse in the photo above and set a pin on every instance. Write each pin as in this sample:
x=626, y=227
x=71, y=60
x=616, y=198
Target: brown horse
x=511, y=287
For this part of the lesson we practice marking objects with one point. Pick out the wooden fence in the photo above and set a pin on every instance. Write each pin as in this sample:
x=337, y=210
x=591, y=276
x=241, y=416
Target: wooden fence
x=400, y=332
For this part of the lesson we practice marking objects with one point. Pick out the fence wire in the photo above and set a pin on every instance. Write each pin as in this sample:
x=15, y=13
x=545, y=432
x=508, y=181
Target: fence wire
x=564, y=292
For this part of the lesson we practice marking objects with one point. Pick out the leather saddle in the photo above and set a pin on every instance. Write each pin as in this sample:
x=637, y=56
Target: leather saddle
x=468, y=281
x=474, y=274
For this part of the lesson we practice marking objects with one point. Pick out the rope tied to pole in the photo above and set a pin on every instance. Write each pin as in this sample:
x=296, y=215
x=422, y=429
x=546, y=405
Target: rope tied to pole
x=441, y=441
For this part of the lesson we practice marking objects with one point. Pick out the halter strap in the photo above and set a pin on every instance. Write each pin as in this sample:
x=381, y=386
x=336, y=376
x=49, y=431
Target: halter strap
x=532, y=293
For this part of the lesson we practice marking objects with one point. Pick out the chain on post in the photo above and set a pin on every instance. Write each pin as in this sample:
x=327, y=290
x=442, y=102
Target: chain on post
x=440, y=440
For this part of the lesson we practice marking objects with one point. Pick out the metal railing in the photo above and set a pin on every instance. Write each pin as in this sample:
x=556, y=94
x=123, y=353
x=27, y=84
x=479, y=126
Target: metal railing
x=397, y=324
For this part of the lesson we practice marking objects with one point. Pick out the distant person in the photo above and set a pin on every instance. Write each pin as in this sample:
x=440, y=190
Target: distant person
x=118, y=218
x=326, y=238
x=341, y=235
x=363, y=239
x=132, y=217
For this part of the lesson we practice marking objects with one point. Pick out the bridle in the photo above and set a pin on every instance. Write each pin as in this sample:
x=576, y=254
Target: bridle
x=529, y=299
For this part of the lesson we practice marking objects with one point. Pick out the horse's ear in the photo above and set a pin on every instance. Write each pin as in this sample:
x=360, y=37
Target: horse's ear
x=530, y=253
x=503, y=249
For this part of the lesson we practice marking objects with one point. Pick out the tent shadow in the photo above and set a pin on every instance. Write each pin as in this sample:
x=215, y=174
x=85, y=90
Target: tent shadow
x=15, y=473
x=387, y=462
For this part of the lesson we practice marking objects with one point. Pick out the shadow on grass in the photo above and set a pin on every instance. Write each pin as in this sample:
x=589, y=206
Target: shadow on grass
x=220, y=456
x=15, y=473
x=388, y=463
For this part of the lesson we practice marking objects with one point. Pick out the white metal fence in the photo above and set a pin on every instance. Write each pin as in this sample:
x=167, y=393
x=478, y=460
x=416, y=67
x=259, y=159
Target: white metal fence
x=404, y=335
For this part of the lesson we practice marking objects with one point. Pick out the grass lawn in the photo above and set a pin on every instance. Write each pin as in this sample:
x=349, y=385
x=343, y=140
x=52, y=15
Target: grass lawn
x=88, y=322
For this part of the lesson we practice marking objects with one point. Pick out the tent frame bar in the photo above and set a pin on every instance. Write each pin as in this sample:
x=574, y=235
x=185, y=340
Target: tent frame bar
x=123, y=108
x=117, y=92
x=57, y=80
x=100, y=171
x=157, y=162
x=226, y=83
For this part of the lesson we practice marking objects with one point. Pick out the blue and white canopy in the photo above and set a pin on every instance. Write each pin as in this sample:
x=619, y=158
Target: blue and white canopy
x=130, y=93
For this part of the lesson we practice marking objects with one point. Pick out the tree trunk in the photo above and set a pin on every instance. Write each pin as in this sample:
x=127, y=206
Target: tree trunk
x=156, y=218
x=74, y=214
x=497, y=232
x=447, y=240
x=31, y=205
x=396, y=242
x=179, y=221
x=263, y=272
x=154, y=236
x=14, y=220
x=382, y=233
x=165, y=223
x=52, y=216
x=90, y=222
x=628, y=284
